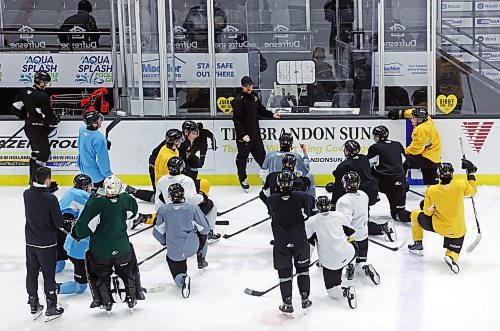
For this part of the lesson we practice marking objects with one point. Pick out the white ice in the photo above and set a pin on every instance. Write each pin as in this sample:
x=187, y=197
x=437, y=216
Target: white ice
x=416, y=293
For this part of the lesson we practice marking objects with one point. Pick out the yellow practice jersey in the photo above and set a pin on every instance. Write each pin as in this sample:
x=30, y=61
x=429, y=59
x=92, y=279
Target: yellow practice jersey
x=164, y=155
x=424, y=140
x=445, y=203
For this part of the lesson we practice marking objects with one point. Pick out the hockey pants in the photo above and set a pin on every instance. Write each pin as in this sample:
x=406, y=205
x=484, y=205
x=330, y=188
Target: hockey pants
x=283, y=263
x=428, y=168
x=421, y=222
x=178, y=269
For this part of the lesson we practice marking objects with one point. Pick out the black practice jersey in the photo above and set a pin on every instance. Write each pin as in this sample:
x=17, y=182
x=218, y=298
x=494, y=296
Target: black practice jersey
x=386, y=160
x=361, y=166
x=288, y=213
x=33, y=105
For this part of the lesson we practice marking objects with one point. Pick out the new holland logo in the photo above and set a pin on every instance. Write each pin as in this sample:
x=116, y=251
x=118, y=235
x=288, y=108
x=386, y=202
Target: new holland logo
x=476, y=133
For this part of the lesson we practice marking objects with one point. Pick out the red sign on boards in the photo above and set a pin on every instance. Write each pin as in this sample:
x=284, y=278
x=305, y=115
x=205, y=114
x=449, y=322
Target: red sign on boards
x=476, y=133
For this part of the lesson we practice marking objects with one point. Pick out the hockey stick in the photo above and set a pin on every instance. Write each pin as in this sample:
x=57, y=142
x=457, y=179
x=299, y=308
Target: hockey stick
x=238, y=206
x=416, y=193
x=222, y=222
x=142, y=230
x=150, y=257
x=394, y=249
x=261, y=293
x=479, y=235
x=4, y=143
x=226, y=236
x=111, y=125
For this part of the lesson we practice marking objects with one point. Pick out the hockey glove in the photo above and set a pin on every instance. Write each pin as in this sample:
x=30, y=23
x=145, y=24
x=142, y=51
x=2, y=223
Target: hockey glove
x=329, y=187
x=350, y=239
x=395, y=114
x=109, y=144
x=469, y=167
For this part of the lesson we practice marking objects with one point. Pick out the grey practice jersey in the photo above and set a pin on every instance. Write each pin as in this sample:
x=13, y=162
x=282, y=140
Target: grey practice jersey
x=355, y=208
x=333, y=249
x=190, y=193
x=272, y=163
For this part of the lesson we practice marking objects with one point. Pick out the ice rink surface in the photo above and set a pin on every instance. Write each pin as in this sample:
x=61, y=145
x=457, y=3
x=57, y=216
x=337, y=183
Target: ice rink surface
x=416, y=293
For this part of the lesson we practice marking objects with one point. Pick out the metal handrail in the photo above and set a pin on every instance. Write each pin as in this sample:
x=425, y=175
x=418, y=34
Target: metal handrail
x=460, y=31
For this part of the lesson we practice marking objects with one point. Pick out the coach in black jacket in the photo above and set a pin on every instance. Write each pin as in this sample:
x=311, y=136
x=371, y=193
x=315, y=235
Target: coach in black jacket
x=43, y=218
x=247, y=108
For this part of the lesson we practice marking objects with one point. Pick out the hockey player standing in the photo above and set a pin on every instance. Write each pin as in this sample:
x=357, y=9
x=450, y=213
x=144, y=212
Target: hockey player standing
x=182, y=227
x=32, y=104
x=72, y=203
x=332, y=234
x=424, y=152
x=443, y=212
x=176, y=167
x=43, y=219
x=104, y=219
x=173, y=140
x=93, y=157
x=354, y=206
x=247, y=108
x=386, y=159
x=273, y=161
x=289, y=210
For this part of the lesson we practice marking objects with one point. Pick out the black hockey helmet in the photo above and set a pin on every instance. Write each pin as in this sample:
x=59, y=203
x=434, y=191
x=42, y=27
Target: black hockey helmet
x=351, y=181
x=175, y=166
x=351, y=148
x=446, y=171
x=41, y=77
x=286, y=141
x=188, y=127
x=288, y=162
x=91, y=116
x=323, y=204
x=420, y=113
x=172, y=137
x=285, y=180
x=381, y=132
x=82, y=182
x=176, y=192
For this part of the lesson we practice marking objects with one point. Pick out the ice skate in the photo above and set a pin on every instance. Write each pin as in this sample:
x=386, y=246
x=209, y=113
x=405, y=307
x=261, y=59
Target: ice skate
x=286, y=307
x=202, y=263
x=306, y=303
x=53, y=311
x=349, y=272
x=130, y=190
x=372, y=273
x=245, y=186
x=416, y=248
x=350, y=294
x=131, y=303
x=36, y=307
x=389, y=232
x=213, y=237
x=452, y=264
x=186, y=286
x=108, y=308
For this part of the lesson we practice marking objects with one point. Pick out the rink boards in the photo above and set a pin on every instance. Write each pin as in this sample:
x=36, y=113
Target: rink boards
x=133, y=140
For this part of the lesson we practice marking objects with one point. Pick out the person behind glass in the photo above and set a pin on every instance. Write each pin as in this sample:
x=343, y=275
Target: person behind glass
x=93, y=157
x=81, y=19
x=32, y=104
x=196, y=24
x=43, y=219
x=424, y=152
x=247, y=108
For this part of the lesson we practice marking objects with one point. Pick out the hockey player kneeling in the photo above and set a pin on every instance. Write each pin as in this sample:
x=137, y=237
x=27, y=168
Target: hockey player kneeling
x=288, y=211
x=104, y=219
x=354, y=206
x=176, y=167
x=332, y=234
x=182, y=227
x=442, y=212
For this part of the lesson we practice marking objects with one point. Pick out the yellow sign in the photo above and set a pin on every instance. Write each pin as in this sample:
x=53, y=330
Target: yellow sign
x=446, y=103
x=224, y=105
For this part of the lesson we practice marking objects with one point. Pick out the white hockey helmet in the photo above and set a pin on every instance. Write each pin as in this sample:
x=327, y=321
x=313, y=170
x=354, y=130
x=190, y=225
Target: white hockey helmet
x=112, y=185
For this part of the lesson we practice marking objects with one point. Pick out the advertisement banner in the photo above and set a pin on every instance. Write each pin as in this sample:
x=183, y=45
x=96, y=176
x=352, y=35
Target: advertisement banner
x=91, y=70
x=448, y=6
x=404, y=69
x=193, y=69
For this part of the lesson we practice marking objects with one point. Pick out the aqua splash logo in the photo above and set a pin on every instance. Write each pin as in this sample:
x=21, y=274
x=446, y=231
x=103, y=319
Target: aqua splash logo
x=34, y=63
x=95, y=70
x=476, y=133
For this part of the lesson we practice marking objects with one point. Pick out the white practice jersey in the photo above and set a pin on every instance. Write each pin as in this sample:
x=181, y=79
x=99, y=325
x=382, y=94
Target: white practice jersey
x=333, y=249
x=190, y=193
x=355, y=208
